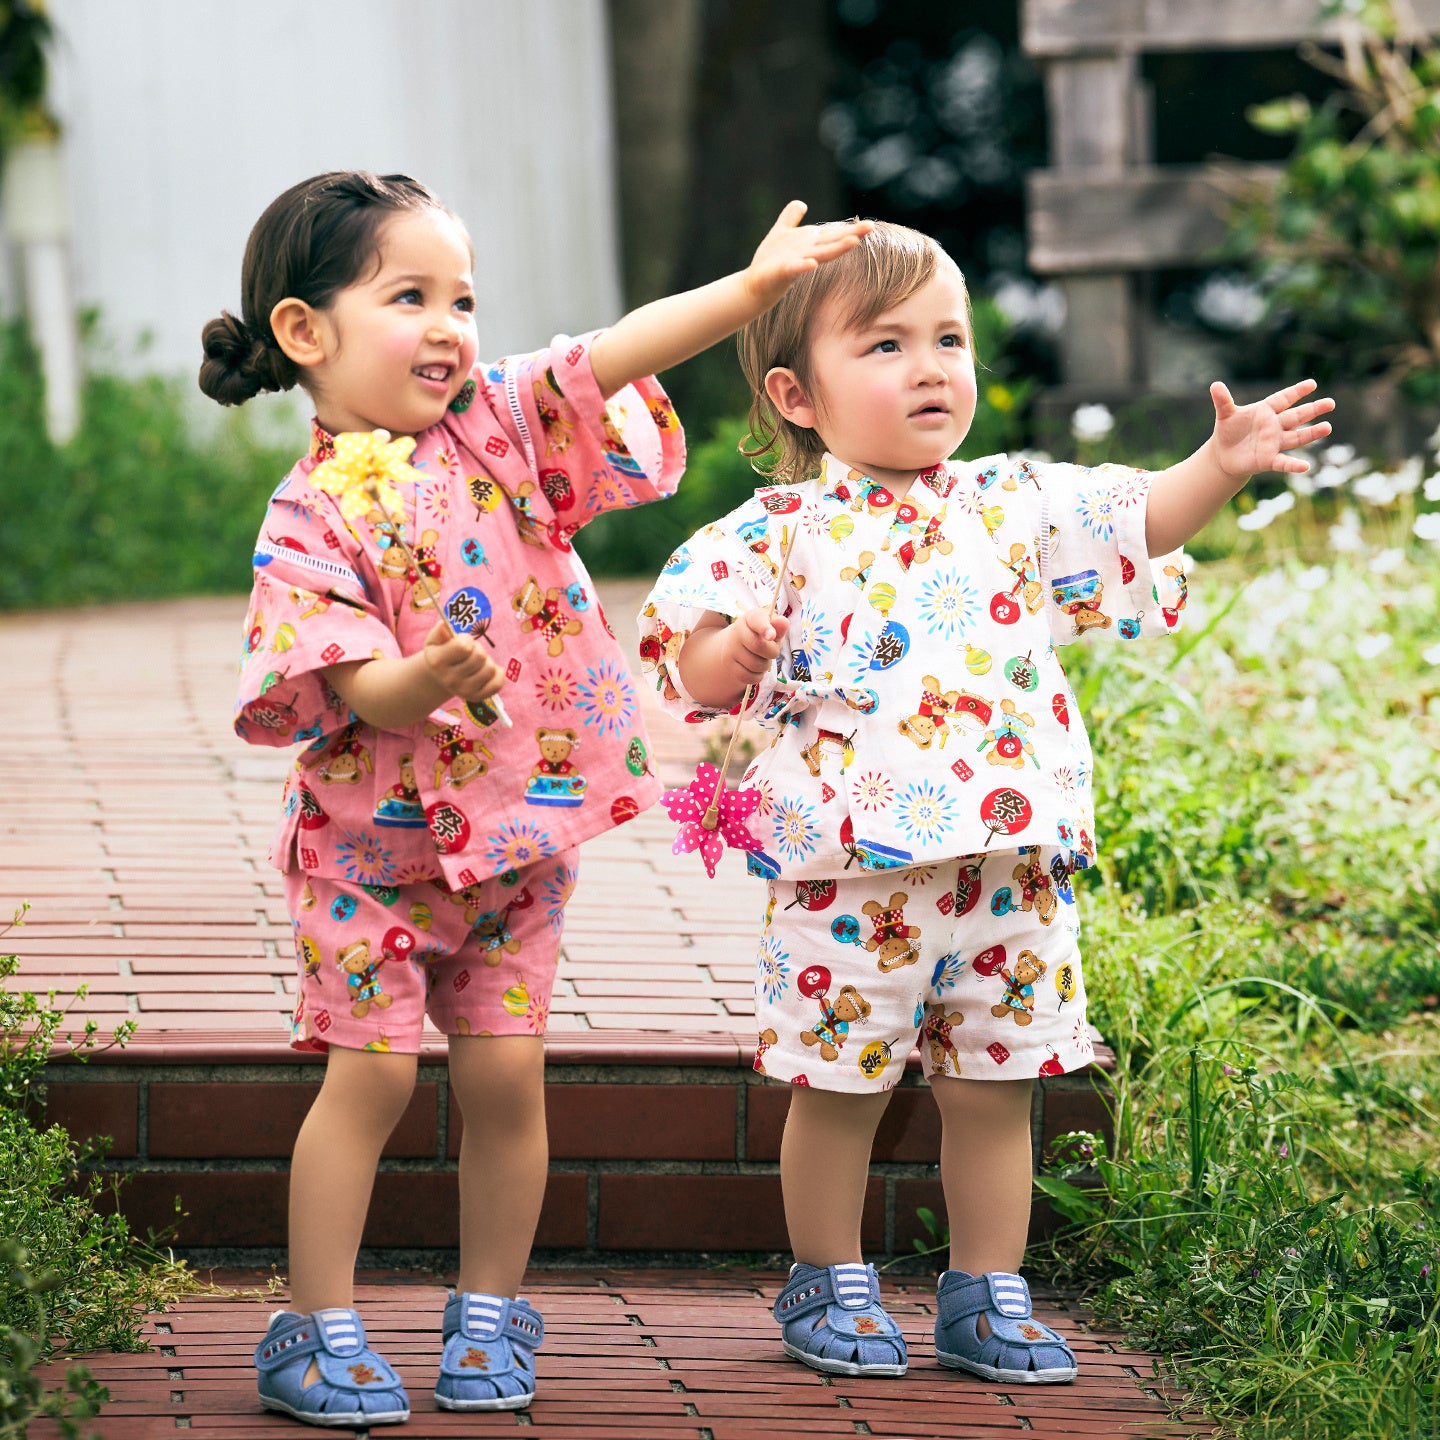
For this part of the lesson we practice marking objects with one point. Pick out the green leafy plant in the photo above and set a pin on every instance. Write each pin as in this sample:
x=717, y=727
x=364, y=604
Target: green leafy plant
x=1347, y=247
x=137, y=506
x=72, y=1276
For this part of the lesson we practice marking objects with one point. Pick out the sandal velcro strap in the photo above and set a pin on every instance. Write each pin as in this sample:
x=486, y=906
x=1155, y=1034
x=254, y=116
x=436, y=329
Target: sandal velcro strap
x=831, y=1318
x=353, y=1384
x=993, y=1293
x=851, y=1287
x=486, y=1363
x=1017, y=1350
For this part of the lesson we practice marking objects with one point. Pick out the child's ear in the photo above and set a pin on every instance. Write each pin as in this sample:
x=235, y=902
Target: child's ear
x=300, y=332
x=789, y=398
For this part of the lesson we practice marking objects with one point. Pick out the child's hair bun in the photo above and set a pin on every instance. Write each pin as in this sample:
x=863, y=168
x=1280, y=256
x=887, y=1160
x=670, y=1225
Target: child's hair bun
x=239, y=362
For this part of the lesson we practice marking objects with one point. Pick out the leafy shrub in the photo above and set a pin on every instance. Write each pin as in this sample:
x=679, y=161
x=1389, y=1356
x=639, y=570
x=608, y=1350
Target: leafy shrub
x=1347, y=247
x=135, y=506
x=72, y=1277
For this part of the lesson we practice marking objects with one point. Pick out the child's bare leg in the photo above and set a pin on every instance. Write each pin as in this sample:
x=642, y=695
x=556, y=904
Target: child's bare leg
x=499, y=1083
x=824, y=1164
x=333, y=1172
x=986, y=1167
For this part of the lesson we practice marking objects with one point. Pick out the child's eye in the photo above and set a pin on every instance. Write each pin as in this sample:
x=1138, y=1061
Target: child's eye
x=408, y=297
x=887, y=347
x=466, y=304
x=955, y=342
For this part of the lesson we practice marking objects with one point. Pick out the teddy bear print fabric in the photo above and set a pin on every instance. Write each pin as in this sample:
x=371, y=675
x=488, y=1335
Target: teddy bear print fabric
x=374, y=961
x=919, y=708
x=976, y=960
x=529, y=452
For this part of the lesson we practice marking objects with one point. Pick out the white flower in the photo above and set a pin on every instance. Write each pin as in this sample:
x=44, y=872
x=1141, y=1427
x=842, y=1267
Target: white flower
x=1427, y=526
x=1406, y=480
x=1431, y=656
x=1313, y=577
x=1339, y=454
x=1375, y=487
x=1266, y=510
x=1229, y=303
x=1028, y=306
x=1346, y=535
x=1432, y=487
x=1091, y=422
x=1385, y=561
x=1369, y=646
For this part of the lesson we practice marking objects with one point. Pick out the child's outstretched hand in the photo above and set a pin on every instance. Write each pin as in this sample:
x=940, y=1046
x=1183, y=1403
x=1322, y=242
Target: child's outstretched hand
x=460, y=665
x=750, y=644
x=1249, y=439
x=790, y=249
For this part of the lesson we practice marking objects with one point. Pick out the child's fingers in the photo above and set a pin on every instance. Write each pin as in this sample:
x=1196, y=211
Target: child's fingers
x=1299, y=415
x=791, y=216
x=1284, y=399
x=1221, y=398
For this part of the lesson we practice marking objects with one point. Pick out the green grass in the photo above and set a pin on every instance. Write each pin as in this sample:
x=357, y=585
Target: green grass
x=1262, y=955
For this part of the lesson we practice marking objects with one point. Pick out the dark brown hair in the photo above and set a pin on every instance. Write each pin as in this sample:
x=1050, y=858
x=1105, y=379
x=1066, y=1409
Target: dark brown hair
x=311, y=243
x=888, y=266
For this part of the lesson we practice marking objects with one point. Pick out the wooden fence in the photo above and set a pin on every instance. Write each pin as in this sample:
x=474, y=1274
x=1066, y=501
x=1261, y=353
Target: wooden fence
x=1104, y=213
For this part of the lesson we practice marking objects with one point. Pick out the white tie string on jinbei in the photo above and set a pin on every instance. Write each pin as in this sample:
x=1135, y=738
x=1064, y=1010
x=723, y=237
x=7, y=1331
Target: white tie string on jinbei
x=709, y=822
x=363, y=473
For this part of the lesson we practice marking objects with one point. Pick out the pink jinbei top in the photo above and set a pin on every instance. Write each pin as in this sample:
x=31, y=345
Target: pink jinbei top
x=529, y=452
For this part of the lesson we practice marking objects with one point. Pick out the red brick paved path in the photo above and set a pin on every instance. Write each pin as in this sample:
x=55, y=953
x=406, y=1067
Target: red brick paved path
x=631, y=1355
x=121, y=777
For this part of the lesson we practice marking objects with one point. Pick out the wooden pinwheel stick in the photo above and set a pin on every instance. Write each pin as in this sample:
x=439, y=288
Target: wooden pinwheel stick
x=711, y=817
x=397, y=537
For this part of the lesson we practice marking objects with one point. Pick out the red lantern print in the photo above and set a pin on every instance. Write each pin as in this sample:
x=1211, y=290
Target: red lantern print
x=1003, y=609
x=814, y=895
x=1052, y=1066
x=813, y=982
x=1005, y=812
x=449, y=827
x=781, y=502
x=988, y=962
x=398, y=944
x=625, y=808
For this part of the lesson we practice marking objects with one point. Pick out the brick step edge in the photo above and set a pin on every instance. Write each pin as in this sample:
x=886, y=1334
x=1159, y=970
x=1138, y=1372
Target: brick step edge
x=646, y=1159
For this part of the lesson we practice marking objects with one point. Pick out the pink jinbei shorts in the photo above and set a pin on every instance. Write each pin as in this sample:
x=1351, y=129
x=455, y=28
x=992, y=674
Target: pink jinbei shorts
x=375, y=960
x=978, y=959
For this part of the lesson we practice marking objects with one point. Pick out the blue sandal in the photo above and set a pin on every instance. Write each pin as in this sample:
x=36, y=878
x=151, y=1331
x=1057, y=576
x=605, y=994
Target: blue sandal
x=488, y=1362
x=831, y=1319
x=355, y=1386
x=1018, y=1350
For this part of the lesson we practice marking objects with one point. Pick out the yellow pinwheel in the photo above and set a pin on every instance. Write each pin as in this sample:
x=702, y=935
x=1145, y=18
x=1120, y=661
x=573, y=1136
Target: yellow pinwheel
x=367, y=466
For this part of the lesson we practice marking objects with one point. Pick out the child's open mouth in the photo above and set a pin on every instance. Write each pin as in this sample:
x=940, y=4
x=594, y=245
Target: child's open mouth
x=434, y=374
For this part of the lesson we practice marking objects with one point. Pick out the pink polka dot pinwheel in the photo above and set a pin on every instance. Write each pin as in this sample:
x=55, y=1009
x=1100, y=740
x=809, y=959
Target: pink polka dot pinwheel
x=707, y=799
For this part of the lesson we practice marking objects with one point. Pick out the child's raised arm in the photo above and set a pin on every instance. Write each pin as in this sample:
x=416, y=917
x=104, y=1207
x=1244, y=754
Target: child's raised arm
x=1247, y=439
x=667, y=331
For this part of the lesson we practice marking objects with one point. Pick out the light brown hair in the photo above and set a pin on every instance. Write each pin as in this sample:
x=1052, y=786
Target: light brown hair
x=887, y=267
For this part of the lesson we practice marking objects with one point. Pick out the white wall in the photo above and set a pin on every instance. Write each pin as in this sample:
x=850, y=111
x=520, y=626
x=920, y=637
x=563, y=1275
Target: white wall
x=184, y=118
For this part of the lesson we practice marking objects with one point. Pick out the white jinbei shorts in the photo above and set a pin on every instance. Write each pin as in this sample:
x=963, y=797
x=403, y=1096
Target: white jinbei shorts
x=977, y=959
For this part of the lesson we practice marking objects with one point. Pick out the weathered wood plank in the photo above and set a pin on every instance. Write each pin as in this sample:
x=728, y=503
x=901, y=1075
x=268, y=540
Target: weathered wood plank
x=1053, y=28
x=1089, y=221
x=1090, y=101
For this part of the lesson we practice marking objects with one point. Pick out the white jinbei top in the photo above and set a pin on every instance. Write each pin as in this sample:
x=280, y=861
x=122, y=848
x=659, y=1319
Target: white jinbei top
x=919, y=707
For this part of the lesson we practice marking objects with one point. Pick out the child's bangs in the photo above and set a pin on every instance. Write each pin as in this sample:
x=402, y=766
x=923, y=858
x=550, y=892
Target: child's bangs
x=883, y=271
